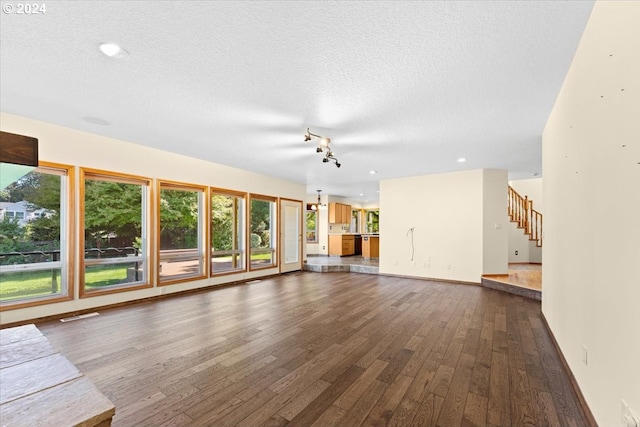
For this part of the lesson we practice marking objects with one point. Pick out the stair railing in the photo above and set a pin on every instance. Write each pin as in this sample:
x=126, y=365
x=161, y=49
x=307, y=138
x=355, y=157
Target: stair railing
x=521, y=211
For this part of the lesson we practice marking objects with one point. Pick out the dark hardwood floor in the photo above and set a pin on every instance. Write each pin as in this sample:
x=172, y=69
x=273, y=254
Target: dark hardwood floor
x=327, y=349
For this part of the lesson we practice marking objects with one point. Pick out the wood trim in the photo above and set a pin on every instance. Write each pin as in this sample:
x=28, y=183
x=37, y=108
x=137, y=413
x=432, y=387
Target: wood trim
x=227, y=272
x=68, y=172
x=203, y=222
x=113, y=290
x=227, y=192
x=588, y=415
x=175, y=185
x=6, y=306
x=18, y=149
x=103, y=175
x=213, y=191
x=151, y=236
x=263, y=197
x=273, y=200
x=207, y=232
x=179, y=280
x=44, y=319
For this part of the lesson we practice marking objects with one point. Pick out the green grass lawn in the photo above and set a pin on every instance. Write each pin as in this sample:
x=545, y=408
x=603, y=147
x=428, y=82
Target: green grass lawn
x=31, y=284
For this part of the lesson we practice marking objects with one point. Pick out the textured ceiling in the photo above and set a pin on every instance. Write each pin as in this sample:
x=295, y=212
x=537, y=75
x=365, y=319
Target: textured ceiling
x=404, y=88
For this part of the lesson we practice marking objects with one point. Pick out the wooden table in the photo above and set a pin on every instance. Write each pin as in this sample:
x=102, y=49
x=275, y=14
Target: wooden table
x=40, y=387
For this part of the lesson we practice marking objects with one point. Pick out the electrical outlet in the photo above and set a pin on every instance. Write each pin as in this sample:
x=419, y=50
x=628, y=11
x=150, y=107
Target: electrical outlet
x=584, y=355
x=516, y=252
x=448, y=266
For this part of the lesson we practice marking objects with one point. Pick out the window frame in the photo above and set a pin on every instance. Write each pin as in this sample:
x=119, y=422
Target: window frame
x=203, y=205
x=355, y=214
x=213, y=191
x=369, y=229
x=148, y=216
x=67, y=241
x=315, y=231
x=273, y=232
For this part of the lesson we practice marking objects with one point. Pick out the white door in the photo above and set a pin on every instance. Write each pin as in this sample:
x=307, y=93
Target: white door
x=290, y=236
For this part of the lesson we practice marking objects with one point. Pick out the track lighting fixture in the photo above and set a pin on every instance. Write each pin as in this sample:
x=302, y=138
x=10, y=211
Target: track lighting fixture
x=323, y=147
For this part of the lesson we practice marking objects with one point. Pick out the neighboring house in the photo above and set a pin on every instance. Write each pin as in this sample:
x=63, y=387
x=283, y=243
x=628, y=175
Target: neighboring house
x=21, y=211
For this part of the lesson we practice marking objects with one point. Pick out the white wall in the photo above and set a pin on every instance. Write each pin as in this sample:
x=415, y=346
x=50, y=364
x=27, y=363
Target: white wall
x=64, y=145
x=448, y=216
x=591, y=257
x=495, y=218
x=518, y=241
x=322, y=247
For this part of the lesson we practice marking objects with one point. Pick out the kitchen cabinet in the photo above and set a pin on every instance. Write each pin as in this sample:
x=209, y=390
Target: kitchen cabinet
x=370, y=246
x=341, y=244
x=339, y=213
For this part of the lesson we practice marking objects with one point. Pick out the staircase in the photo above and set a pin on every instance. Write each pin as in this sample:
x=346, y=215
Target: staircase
x=528, y=219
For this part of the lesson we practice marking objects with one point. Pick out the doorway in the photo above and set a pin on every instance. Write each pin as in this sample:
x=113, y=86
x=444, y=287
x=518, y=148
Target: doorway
x=290, y=235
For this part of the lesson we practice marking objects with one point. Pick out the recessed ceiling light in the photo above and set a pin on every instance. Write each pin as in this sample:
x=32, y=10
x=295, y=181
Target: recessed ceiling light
x=462, y=160
x=362, y=194
x=113, y=50
x=372, y=172
x=96, y=121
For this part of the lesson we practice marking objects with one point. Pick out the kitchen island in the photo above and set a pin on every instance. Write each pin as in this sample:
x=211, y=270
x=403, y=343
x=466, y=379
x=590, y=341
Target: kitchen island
x=344, y=244
x=370, y=246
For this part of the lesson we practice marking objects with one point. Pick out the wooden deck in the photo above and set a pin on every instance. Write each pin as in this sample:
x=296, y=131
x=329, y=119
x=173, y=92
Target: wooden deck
x=343, y=349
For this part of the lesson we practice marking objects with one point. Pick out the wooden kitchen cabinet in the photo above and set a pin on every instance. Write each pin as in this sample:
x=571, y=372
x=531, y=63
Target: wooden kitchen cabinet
x=370, y=246
x=341, y=244
x=339, y=213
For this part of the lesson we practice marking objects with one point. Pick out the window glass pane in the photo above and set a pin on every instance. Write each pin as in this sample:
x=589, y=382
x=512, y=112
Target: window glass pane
x=180, y=231
x=103, y=275
x=227, y=233
x=263, y=233
x=372, y=221
x=355, y=219
x=33, y=256
x=114, y=233
x=312, y=226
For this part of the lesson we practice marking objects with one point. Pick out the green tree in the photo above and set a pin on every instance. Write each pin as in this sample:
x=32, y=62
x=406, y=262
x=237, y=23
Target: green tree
x=112, y=209
x=222, y=222
x=178, y=219
x=40, y=191
x=260, y=222
x=12, y=237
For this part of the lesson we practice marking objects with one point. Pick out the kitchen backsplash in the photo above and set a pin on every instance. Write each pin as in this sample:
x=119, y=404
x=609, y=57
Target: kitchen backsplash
x=338, y=228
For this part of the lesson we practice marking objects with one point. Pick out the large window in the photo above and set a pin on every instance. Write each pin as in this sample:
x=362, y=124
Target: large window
x=355, y=221
x=181, y=246
x=312, y=225
x=35, y=249
x=373, y=224
x=263, y=232
x=115, y=223
x=227, y=231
